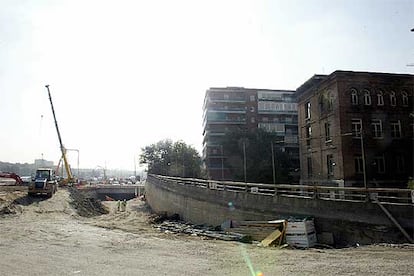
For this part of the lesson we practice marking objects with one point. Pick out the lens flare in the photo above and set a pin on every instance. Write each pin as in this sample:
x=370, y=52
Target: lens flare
x=249, y=263
x=231, y=206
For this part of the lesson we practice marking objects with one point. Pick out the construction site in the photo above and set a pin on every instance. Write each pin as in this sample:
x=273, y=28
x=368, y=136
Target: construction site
x=72, y=234
x=56, y=224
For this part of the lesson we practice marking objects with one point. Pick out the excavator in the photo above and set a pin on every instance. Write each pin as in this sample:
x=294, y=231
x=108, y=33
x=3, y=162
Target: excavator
x=45, y=181
x=14, y=176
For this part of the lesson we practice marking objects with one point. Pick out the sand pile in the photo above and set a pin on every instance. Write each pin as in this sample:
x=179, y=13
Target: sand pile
x=86, y=206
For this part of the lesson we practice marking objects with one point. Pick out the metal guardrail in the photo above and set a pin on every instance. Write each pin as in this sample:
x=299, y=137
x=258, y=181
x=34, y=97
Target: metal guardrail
x=348, y=194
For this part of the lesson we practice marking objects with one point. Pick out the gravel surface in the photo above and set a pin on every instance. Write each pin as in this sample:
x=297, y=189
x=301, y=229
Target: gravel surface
x=48, y=237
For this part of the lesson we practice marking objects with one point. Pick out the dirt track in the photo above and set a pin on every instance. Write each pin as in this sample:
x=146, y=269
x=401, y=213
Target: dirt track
x=47, y=237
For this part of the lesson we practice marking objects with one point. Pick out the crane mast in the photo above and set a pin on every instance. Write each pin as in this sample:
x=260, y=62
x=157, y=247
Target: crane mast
x=62, y=148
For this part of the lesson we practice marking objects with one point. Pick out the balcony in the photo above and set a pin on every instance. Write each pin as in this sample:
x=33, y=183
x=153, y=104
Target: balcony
x=210, y=134
x=227, y=121
x=212, y=111
x=227, y=100
x=281, y=112
x=227, y=109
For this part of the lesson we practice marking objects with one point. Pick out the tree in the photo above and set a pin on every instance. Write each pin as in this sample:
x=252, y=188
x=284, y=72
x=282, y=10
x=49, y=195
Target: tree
x=257, y=145
x=174, y=159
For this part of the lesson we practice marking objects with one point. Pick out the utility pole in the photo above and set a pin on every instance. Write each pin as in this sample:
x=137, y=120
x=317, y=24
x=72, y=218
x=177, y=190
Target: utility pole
x=222, y=163
x=363, y=159
x=135, y=168
x=273, y=163
x=244, y=159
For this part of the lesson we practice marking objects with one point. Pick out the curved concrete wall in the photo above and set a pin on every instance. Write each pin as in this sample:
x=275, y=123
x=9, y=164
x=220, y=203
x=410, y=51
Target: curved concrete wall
x=362, y=222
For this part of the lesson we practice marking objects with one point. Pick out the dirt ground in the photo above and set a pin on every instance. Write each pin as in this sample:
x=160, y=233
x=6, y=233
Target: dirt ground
x=47, y=237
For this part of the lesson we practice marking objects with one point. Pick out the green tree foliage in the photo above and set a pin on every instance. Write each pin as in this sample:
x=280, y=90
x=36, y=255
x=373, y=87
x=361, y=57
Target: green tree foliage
x=258, y=157
x=172, y=158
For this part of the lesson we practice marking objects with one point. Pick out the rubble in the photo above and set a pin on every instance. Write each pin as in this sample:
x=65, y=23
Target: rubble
x=86, y=206
x=199, y=230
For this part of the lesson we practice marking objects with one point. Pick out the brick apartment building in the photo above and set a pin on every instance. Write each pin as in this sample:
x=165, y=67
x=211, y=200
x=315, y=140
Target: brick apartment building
x=356, y=124
x=236, y=108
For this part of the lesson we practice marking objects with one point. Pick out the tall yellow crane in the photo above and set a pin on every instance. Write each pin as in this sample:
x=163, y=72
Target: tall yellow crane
x=70, y=178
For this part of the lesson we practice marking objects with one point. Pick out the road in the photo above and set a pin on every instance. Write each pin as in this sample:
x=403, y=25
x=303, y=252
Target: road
x=48, y=237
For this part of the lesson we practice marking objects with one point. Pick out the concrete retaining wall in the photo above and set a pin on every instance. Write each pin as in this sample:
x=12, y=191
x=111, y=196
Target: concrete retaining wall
x=349, y=222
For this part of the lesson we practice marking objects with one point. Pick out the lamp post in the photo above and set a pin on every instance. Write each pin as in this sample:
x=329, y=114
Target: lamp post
x=222, y=162
x=273, y=163
x=361, y=138
x=242, y=143
x=104, y=171
x=244, y=161
x=363, y=158
x=273, y=158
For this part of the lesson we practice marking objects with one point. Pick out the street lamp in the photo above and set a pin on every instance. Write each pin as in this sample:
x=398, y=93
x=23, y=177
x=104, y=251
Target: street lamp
x=361, y=138
x=273, y=158
x=104, y=171
x=222, y=162
x=244, y=161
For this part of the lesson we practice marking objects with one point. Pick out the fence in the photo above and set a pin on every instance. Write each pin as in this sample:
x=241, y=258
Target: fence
x=349, y=194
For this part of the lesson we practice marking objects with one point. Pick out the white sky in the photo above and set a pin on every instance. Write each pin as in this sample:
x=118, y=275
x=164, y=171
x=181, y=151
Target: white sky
x=125, y=74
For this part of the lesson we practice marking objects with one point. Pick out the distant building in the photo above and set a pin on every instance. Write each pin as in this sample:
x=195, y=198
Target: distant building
x=353, y=124
x=236, y=108
x=39, y=163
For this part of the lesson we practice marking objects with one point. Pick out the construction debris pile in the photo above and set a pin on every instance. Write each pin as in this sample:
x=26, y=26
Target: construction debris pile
x=198, y=230
x=266, y=233
x=86, y=206
x=298, y=233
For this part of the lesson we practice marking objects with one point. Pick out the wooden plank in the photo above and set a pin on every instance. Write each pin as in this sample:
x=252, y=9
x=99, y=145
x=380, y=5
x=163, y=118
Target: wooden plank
x=271, y=238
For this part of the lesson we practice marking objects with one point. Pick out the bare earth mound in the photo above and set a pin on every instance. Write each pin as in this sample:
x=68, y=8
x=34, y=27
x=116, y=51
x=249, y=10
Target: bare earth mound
x=85, y=206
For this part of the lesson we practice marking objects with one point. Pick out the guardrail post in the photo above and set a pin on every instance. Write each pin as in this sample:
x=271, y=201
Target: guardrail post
x=368, y=195
x=315, y=193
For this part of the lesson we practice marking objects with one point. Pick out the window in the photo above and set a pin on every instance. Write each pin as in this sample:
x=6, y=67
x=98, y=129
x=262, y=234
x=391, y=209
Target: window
x=367, y=97
x=354, y=96
x=331, y=102
x=376, y=127
x=308, y=136
x=411, y=130
x=273, y=106
x=272, y=127
x=265, y=119
x=308, y=132
x=252, y=98
x=359, y=167
x=251, y=109
x=330, y=164
x=326, y=101
x=356, y=127
x=308, y=110
x=404, y=98
x=328, y=132
x=226, y=96
x=395, y=129
x=400, y=163
x=380, y=98
x=309, y=163
x=393, y=99
x=252, y=119
x=379, y=164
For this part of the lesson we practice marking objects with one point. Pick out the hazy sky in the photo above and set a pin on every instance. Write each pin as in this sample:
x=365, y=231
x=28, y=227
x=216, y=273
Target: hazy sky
x=125, y=74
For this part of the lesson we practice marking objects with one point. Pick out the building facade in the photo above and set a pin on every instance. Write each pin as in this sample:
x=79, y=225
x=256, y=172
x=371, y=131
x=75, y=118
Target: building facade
x=236, y=108
x=356, y=129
